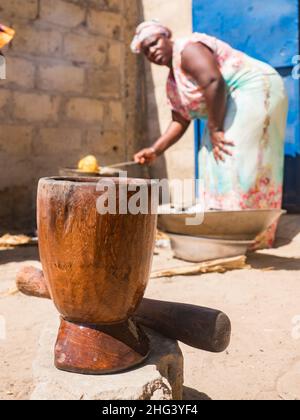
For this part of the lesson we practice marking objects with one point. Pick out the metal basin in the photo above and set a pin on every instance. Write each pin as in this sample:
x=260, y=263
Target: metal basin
x=197, y=249
x=229, y=225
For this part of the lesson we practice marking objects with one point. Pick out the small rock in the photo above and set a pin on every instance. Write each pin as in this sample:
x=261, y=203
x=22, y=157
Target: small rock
x=159, y=378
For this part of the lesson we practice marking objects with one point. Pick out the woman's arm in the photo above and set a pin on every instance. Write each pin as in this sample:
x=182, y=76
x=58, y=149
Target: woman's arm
x=199, y=61
x=175, y=131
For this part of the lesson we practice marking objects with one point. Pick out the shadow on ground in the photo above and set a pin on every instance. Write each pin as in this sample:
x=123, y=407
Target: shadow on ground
x=288, y=229
x=266, y=261
x=20, y=254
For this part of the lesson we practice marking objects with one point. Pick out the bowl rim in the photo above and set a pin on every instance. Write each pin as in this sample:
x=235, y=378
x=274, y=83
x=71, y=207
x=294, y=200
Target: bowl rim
x=209, y=239
x=206, y=212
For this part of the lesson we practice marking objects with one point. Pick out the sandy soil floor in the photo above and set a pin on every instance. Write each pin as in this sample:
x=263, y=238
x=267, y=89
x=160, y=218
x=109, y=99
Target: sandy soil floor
x=263, y=360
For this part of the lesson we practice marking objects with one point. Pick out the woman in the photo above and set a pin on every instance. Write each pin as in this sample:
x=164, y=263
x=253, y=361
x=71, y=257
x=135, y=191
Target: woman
x=244, y=102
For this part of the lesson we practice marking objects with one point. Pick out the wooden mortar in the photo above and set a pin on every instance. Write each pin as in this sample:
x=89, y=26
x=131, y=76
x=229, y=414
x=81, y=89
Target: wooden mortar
x=96, y=269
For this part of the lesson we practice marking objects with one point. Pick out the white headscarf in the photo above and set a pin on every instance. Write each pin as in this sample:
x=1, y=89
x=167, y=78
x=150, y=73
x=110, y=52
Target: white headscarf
x=146, y=30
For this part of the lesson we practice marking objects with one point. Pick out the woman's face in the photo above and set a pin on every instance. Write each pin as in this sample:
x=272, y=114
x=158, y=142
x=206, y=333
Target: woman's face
x=158, y=49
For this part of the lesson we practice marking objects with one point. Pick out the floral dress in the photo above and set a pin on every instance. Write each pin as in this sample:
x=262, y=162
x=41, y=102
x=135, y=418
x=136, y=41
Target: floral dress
x=255, y=121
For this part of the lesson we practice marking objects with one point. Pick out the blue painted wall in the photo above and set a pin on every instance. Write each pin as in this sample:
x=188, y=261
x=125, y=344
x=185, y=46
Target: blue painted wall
x=267, y=30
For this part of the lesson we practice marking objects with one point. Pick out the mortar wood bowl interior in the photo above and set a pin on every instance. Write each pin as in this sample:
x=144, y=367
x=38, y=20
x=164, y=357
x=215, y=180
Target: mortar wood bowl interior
x=96, y=268
x=76, y=173
x=132, y=171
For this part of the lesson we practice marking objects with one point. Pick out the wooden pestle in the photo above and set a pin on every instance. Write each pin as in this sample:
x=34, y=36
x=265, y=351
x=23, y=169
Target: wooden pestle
x=202, y=328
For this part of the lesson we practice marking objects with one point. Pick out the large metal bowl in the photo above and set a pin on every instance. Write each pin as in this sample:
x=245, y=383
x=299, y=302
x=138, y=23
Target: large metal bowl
x=228, y=225
x=196, y=249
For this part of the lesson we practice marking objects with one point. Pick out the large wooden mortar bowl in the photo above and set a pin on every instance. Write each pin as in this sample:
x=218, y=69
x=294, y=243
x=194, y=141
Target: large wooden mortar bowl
x=96, y=268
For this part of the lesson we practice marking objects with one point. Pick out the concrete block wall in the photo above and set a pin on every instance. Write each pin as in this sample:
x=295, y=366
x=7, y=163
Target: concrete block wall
x=72, y=89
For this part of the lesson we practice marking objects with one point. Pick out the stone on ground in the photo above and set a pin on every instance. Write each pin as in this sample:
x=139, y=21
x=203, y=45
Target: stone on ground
x=159, y=378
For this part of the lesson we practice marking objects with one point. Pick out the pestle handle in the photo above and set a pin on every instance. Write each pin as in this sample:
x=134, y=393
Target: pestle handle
x=202, y=328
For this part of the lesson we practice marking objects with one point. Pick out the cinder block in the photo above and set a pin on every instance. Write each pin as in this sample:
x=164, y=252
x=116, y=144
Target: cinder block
x=17, y=201
x=116, y=54
x=29, y=40
x=33, y=107
x=20, y=72
x=90, y=111
x=117, y=115
x=105, y=23
x=111, y=5
x=4, y=101
x=19, y=8
x=51, y=164
x=5, y=208
x=62, y=13
x=17, y=171
x=109, y=145
x=53, y=141
x=61, y=78
x=85, y=48
x=15, y=140
x=104, y=82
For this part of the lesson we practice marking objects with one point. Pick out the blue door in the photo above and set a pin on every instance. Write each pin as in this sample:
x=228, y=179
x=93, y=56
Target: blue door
x=268, y=31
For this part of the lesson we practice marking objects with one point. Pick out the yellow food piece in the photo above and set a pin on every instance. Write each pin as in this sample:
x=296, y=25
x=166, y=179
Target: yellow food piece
x=6, y=35
x=89, y=164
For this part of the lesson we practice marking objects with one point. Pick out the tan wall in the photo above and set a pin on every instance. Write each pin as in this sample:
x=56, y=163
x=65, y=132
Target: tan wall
x=72, y=89
x=176, y=14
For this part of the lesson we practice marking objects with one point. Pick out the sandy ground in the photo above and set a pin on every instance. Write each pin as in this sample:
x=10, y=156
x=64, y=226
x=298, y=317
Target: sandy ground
x=263, y=360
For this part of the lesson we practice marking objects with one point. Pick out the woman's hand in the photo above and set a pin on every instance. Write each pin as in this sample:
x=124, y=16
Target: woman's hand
x=175, y=131
x=220, y=145
x=146, y=156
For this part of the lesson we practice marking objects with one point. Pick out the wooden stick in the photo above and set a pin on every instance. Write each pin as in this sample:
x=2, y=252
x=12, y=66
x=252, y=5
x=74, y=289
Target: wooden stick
x=215, y=266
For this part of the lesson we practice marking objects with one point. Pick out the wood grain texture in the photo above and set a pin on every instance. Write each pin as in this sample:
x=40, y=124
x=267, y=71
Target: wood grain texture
x=95, y=350
x=96, y=266
x=31, y=282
